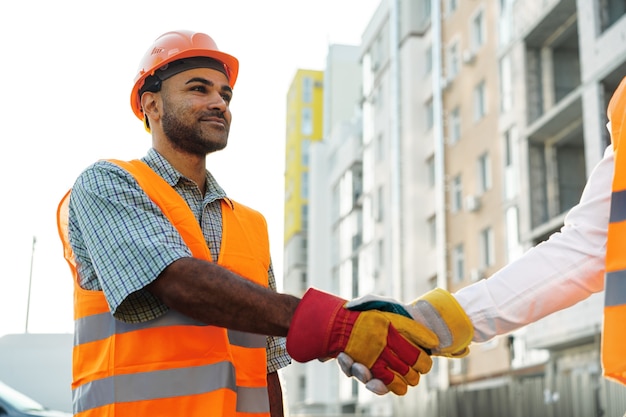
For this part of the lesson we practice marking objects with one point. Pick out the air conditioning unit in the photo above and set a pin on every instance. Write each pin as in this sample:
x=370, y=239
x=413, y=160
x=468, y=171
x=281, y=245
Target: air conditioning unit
x=444, y=83
x=469, y=57
x=472, y=203
x=476, y=274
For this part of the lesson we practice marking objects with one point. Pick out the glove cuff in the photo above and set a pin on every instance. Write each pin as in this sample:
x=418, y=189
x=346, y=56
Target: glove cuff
x=456, y=330
x=311, y=324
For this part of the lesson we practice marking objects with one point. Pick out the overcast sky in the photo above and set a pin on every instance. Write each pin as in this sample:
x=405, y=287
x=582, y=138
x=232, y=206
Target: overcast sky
x=67, y=69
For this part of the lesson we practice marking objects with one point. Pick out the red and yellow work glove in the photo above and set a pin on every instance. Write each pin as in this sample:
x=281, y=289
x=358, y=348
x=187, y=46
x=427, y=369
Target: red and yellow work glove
x=437, y=310
x=390, y=345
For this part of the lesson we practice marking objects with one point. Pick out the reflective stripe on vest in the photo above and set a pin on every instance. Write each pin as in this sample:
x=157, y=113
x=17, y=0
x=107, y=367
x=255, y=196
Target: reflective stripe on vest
x=614, y=334
x=178, y=371
x=156, y=384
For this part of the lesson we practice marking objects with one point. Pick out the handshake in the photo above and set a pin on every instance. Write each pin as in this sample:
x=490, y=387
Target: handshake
x=383, y=343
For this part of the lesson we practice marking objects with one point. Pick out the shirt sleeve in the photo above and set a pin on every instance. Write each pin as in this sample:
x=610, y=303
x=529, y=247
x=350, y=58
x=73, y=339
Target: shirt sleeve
x=557, y=273
x=277, y=356
x=122, y=240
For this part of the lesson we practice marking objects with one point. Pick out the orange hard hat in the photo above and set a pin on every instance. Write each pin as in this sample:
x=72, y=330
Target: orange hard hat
x=177, y=45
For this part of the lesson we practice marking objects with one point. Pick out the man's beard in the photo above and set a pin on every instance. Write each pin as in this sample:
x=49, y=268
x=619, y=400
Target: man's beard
x=190, y=139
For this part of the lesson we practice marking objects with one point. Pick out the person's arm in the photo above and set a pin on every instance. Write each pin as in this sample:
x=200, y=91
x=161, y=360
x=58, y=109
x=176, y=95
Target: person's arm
x=275, y=393
x=555, y=274
x=558, y=273
x=214, y=295
x=145, y=268
x=317, y=326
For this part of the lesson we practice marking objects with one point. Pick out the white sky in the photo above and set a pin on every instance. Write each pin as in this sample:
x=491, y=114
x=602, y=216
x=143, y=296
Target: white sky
x=66, y=72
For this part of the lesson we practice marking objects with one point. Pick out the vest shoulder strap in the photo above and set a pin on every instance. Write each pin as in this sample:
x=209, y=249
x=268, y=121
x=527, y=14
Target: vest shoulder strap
x=174, y=207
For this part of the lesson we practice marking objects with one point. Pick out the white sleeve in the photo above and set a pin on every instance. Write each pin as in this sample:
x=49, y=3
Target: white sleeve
x=557, y=273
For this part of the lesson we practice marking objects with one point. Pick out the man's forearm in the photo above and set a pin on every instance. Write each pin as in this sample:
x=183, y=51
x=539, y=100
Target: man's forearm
x=214, y=295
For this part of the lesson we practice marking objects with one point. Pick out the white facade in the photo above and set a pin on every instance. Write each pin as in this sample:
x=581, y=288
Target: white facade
x=558, y=63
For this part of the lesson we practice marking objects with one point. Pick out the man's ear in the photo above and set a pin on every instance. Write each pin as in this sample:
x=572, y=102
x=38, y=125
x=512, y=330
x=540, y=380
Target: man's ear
x=150, y=104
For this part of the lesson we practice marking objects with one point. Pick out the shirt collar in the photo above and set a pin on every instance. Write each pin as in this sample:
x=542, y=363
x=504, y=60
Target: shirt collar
x=172, y=176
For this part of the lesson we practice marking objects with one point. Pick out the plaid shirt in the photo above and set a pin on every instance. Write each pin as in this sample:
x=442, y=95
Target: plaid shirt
x=122, y=241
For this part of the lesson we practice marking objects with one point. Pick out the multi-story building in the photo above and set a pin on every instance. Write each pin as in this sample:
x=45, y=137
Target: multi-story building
x=478, y=130
x=475, y=226
x=304, y=126
x=560, y=62
x=333, y=224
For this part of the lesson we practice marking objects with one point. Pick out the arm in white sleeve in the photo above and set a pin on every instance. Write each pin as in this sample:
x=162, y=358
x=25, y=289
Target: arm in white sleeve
x=557, y=273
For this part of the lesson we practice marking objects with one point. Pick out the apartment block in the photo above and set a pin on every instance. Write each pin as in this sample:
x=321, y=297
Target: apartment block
x=322, y=253
x=477, y=124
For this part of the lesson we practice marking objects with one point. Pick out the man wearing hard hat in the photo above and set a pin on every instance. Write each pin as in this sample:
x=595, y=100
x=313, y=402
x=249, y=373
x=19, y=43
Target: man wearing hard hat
x=174, y=290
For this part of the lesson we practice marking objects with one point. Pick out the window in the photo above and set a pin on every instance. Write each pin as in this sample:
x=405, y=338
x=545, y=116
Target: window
x=378, y=97
x=304, y=186
x=477, y=31
x=357, y=182
x=506, y=85
x=306, y=127
x=301, y=388
x=452, y=5
x=610, y=11
x=510, y=173
x=355, y=277
x=484, y=172
x=505, y=23
x=452, y=68
x=454, y=126
x=380, y=147
x=456, y=194
x=377, y=50
x=428, y=60
x=430, y=164
x=508, y=148
x=432, y=231
x=303, y=281
x=487, y=249
x=307, y=90
x=430, y=115
x=304, y=213
x=426, y=10
x=458, y=263
x=480, y=104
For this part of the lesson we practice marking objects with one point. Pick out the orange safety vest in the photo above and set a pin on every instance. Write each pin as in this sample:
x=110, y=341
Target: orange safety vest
x=171, y=365
x=614, y=331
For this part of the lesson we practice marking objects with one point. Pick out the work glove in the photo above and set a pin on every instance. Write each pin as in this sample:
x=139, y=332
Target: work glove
x=437, y=310
x=388, y=344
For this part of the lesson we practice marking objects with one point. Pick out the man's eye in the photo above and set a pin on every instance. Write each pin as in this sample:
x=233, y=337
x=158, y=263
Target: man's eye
x=227, y=97
x=199, y=88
